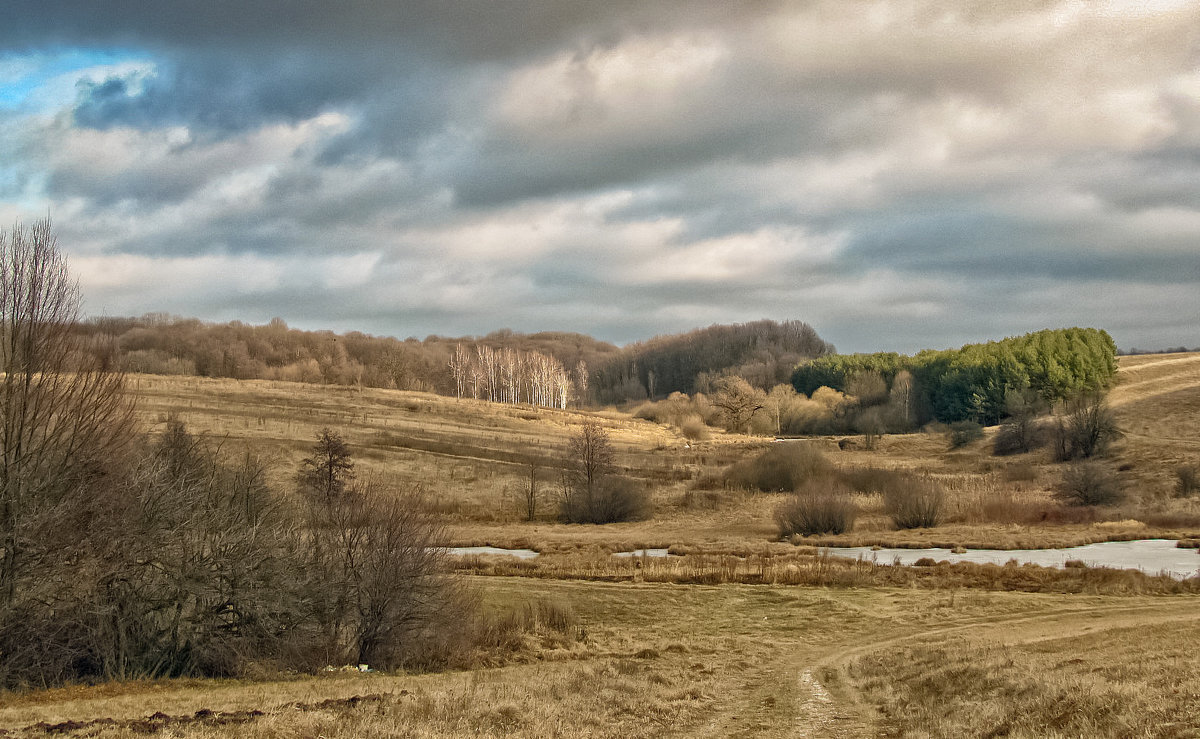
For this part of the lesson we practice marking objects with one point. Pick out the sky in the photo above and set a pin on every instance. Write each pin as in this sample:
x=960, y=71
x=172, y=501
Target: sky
x=898, y=174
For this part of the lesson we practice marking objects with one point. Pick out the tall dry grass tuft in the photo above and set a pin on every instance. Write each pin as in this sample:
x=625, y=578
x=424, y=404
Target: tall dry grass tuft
x=914, y=502
x=816, y=509
x=1089, y=484
x=1187, y=480
x=783, y=467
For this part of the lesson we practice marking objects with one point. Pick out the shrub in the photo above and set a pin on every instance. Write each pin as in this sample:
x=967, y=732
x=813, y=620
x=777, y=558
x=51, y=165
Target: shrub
x=869, y=479
x=1089, y=484
x=816, y=511
x=1018, y=436
x=962, y=433
x=783, y=467
x=914, y=502
x=1187, y=480
x=1087, y=430
x=611, y=499
x=693, y=428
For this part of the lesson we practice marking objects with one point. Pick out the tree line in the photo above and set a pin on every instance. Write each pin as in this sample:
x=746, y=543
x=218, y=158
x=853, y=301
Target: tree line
x=157, y=343
x=763, y=353
x=976, y=382
x=545, y=368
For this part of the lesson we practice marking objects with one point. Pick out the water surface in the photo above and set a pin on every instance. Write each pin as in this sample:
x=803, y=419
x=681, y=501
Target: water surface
x=467, y=551
x=1152, y=556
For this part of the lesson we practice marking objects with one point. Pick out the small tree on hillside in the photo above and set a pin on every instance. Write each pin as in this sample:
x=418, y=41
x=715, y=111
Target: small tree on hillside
x=1087, y=430
x=738, y=401
x=327, y=473
x=592, y=491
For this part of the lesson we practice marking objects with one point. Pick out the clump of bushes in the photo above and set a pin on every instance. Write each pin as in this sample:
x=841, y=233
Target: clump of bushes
x=693, y=428
x=783, y=467
x=962, y=433
x=914, y=502
x=611, y=499
x=869, y=479
x=1087, y=429
x=1187, y=480
x=816, y=510
x=1089, y=484
x=1018, y=436
x=592, y=491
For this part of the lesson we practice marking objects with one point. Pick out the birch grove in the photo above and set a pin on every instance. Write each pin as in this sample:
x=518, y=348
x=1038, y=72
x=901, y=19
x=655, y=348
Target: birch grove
x=510, y=376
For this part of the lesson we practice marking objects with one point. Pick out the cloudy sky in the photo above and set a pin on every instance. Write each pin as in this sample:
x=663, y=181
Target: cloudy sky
x=898, y=174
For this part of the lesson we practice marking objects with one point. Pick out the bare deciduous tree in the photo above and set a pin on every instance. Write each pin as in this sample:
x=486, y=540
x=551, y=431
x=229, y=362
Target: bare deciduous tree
x=63, y=410
x=738, y=401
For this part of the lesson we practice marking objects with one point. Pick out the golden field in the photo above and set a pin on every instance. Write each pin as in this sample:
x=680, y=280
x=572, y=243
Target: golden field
x=743, y=635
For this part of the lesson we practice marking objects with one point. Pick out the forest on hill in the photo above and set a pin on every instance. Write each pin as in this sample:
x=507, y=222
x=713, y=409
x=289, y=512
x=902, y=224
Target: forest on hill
x=545, y=368
x=764, y=353
x=976, y=382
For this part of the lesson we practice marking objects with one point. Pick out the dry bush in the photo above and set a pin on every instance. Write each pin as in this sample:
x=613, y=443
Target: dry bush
x=1018, y=436
x=869, y=479
x=693, y=428
x=783, y=467
x=1087, y=430
x=914, y=502
x=1187, y=480
x=702, y=500
x=611, y=499
x=962, y=433
x=816, y=509
x=1020, y=472
x=1089, y=484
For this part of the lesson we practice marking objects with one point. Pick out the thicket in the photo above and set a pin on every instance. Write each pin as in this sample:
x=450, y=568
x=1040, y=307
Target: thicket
x=914, y=502
x=816, y=509
x=592, y=489
x=126, y=556
x=783, y=467
x=975, y=382
x=761, y=352
x=1089, y=483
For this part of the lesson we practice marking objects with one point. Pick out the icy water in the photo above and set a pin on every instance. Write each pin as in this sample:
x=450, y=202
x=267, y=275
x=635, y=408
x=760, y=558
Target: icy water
x=466, y=551
x=1152, y=556
x=644, y=553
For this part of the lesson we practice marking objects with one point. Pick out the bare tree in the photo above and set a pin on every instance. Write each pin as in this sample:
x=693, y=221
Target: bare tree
x=738, y=401
x=531, y=494
x=581, y=382
x=592, y=491
x=63, y=412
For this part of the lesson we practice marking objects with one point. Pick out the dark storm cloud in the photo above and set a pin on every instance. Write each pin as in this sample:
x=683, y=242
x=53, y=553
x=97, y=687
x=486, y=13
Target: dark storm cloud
x=898, y=174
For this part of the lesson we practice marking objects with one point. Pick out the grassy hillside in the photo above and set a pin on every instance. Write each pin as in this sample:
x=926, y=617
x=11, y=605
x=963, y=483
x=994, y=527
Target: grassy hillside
x=474, y=458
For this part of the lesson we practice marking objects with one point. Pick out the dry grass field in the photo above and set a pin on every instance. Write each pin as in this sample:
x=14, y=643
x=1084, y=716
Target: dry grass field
x=742, y=634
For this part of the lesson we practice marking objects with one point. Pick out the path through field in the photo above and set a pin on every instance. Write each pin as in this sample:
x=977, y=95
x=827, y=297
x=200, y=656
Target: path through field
x=658, y=661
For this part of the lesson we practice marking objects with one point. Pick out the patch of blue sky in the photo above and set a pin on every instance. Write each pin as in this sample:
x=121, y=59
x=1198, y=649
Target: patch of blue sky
x=46, y=80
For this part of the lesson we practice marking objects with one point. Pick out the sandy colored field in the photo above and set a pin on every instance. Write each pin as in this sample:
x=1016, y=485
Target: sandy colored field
x=473, y=458
x=664, y=660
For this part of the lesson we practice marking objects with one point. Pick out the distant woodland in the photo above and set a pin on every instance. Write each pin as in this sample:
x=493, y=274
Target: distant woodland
x=977, y=382
x=548, y=368
x=763, y=353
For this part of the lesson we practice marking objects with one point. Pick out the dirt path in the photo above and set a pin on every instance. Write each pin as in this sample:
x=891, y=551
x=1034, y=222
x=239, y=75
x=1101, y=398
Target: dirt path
x=824, y=714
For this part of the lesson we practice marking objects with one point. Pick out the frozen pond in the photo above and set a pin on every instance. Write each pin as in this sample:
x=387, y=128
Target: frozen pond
x=467, y=551
x=1152, y=556
x=644, y=553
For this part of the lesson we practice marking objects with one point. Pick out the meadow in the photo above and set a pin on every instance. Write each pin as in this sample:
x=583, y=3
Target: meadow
x=741, y=634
